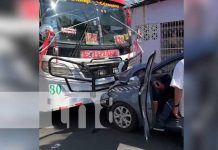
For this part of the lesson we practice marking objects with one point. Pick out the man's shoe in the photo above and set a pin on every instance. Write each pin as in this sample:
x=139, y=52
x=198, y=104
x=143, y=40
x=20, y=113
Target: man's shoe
x=159, y=126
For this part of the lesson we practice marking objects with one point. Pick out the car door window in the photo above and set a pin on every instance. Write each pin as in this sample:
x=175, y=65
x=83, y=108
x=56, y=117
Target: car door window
x=143, y=95
x=166, y=69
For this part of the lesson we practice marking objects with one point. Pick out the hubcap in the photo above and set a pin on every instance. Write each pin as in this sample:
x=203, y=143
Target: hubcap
x=122, y=117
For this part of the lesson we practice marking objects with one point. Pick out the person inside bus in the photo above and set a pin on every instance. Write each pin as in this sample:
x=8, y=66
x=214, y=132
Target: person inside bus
x=173, y=106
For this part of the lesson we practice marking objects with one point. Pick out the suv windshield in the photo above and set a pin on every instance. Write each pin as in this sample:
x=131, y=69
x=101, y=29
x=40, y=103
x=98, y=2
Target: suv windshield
x=77, y=22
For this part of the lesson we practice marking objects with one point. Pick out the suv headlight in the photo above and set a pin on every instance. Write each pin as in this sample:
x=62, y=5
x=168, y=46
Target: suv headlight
x=134, y=80
x=106, y=100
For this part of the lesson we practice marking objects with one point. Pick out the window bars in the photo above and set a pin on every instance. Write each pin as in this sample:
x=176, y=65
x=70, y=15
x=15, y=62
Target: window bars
x=172, y=38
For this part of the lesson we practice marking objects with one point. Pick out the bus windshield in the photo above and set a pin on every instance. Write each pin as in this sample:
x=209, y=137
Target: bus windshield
x=84, y=23
x=110, y=27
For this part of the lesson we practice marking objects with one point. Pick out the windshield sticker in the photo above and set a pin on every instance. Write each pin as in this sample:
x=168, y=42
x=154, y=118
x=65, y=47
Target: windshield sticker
x=106, y=4
x=91, y=38
x=119, y=39
x=69, y=30
x=83, y=1
x=126, y=37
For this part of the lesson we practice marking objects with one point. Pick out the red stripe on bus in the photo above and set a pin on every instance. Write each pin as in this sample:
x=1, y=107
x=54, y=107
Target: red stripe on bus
x=63, y=107
x=78, y=104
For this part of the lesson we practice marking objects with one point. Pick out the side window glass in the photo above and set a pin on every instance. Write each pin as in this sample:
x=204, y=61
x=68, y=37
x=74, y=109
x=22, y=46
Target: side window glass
x=167, y=68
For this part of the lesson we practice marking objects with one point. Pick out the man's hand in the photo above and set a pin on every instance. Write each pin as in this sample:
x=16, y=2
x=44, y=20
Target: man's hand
x=176, y=112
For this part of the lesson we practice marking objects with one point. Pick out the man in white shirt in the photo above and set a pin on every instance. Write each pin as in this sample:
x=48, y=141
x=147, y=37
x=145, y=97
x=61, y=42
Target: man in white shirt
x=177, y=83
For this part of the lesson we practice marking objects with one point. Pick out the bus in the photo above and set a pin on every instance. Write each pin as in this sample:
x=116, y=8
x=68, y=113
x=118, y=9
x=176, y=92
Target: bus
x=84, y=45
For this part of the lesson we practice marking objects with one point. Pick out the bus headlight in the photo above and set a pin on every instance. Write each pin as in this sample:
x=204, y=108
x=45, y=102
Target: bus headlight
x=60, y=70
x=56, y=69
x=45, y=66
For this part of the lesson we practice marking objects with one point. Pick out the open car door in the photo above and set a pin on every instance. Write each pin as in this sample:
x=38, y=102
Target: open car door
x=145, y=105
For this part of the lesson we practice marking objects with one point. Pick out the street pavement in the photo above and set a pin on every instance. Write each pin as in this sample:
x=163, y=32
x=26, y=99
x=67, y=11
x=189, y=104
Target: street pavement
x=107, y=139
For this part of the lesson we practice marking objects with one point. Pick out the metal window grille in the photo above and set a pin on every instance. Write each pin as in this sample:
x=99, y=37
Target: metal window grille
x=148, y=31
x=172, y=38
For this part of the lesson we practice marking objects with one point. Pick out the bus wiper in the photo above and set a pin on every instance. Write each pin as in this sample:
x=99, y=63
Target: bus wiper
x=78, y=46
x=126, y=26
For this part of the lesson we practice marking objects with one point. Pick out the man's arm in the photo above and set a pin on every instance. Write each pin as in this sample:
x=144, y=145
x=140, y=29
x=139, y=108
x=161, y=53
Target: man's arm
x=157, y=86
x=177, y=83
x=178, y=95
x=177, y=99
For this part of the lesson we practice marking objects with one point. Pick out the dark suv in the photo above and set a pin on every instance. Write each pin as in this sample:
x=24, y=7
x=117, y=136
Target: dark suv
x=130, y=98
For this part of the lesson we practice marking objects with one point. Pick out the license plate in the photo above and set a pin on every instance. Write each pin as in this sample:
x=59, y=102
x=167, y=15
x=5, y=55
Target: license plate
x=99, y=53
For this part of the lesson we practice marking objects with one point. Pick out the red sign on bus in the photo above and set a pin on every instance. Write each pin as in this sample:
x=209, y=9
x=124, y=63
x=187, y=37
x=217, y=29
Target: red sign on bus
x=99, y=53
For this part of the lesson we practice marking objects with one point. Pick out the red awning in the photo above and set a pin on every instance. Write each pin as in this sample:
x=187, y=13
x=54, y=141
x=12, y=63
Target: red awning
x=119, y=1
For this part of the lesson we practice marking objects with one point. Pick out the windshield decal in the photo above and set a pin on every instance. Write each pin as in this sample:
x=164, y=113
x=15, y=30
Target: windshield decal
x=119, y=39
x=69, y=30
x=103, y=3
x=126, y=37
x=91, y=38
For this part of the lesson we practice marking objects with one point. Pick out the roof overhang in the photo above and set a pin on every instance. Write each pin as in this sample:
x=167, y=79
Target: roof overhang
x=122, y=2
x=144, y=2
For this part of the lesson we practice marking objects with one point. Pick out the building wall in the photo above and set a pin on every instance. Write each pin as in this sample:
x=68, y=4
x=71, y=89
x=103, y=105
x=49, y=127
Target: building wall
x=165, y=11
